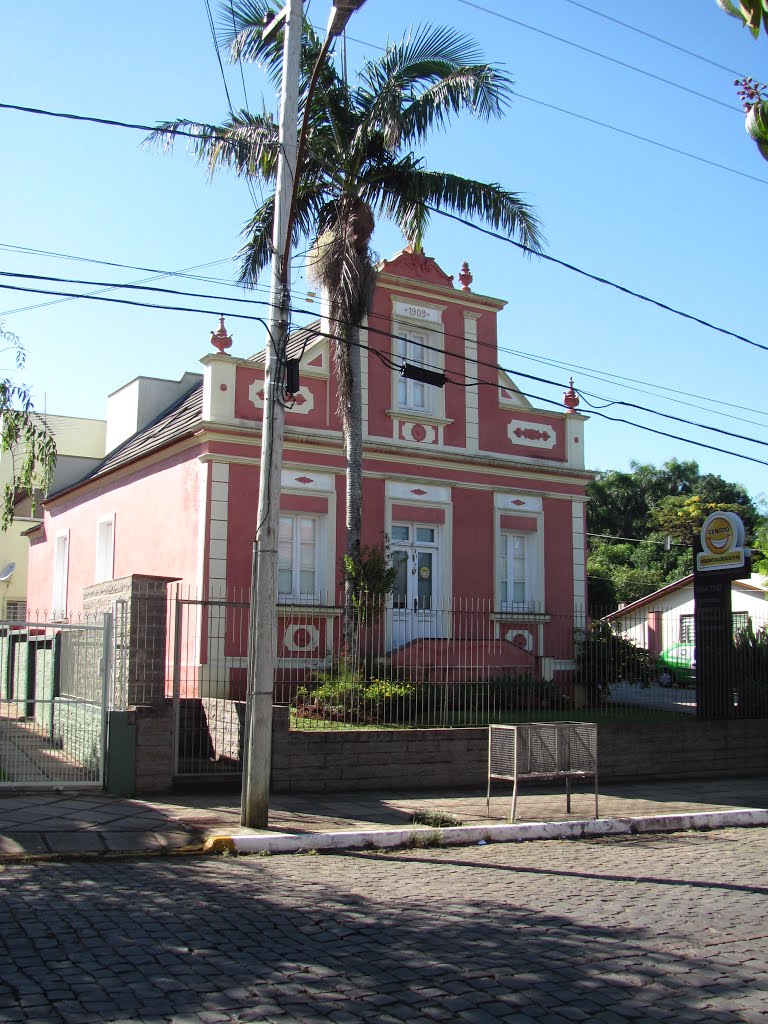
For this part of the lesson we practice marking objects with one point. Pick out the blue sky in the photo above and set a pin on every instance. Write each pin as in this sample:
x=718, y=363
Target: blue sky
x=680, y=230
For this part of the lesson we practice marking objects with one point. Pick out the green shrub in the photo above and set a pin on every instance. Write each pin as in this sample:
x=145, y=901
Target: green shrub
x=603, y=657
x=346, y=695
x=750, y=671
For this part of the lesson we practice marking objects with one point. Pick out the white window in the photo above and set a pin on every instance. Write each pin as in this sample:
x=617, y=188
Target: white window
x=105, y=550
x=60, y=574
x=297, y=557
x=411, y=347
x=519, y=571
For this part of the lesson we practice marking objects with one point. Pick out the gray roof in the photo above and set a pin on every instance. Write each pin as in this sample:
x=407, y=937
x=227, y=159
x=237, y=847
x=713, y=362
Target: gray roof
x=180, y=420
x=298, y=342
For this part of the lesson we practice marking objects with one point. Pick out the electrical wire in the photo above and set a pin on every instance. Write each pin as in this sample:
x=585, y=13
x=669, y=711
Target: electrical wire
x=245, y=316
x=422, y=345
x=657, y=39
x=625, y=381
x=597, y=278
x=109, y=122
x=597, y=53
x=642, y=138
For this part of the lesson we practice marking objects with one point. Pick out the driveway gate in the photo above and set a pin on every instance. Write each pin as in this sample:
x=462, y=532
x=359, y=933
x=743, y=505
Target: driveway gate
x=54, y=697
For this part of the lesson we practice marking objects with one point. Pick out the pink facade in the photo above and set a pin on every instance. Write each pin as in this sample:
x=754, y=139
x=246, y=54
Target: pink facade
x=480, y=495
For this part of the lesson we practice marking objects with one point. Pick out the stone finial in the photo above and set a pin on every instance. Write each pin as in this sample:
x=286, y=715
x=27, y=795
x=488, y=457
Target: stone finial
x=465, y=277
x=220, y=339
x=570, y=398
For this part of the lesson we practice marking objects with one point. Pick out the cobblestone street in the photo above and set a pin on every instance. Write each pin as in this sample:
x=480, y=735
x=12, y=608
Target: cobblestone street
x=647, y=928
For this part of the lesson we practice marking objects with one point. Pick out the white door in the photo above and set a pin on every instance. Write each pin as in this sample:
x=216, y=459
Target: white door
x=415, y=554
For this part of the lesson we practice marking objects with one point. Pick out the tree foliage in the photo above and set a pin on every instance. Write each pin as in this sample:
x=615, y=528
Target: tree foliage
x=753, y=14
x=24, y=439
x=654, y=513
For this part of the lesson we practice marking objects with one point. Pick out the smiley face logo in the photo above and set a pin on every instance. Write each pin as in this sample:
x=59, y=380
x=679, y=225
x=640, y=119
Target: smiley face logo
x=719, y=535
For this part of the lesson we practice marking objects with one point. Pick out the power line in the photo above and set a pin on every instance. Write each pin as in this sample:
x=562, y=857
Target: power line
x=102, y=120
x=657, y=39
x=158, y=274
x=602, y=56
x=422, y=345
x=627, y=382
x=642, y=138
x=596, y=277
x=517, y=373
x=613, y=128
x=245, y=316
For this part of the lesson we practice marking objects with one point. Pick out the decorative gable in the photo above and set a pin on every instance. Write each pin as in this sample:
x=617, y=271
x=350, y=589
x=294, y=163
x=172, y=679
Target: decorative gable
x=418, y=267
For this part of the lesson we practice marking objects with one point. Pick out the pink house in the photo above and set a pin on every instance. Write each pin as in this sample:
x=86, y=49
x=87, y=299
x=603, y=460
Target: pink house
x=480, y=494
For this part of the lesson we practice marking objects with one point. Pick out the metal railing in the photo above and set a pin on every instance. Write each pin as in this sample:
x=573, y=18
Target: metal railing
x=468, y=663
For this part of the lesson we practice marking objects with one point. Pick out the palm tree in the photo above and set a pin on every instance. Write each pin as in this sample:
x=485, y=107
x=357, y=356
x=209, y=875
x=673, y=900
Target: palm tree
x=358, y=163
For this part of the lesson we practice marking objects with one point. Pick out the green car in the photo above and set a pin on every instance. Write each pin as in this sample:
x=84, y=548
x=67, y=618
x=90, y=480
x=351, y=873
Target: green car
x=677, y=664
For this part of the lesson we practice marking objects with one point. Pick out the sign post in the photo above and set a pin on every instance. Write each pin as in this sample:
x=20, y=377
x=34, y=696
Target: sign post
x=719, y=558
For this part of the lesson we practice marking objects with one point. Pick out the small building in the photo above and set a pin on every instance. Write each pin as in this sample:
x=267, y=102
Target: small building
x=665, y=617
x=80, y=445
x=480, y=494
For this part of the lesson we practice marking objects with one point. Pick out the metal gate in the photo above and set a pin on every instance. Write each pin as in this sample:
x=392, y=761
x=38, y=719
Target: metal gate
x=54, y=697
x=208, y=667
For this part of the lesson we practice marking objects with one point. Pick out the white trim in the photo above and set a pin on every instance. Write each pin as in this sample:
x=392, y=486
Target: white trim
x=535, y=596
x=106, y=571
x=60, y=576
x=298, y=596
x=472, y=410
x=579, y=558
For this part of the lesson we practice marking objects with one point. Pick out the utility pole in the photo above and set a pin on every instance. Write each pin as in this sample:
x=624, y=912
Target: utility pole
x=262, y=635
x=262, y=624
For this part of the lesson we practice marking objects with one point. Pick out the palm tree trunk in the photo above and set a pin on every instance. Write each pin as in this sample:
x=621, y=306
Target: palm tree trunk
x=353, y=451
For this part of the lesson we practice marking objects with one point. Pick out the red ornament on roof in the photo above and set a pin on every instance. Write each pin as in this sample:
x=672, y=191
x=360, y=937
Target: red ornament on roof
x=220, y=339
x=570, y=398
x=465, y=277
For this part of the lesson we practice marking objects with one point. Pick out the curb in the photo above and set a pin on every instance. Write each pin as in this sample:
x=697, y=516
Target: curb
x=470, y=835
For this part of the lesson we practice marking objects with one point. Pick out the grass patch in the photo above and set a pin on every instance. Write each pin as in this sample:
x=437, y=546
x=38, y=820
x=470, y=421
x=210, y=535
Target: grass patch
x=436, y=819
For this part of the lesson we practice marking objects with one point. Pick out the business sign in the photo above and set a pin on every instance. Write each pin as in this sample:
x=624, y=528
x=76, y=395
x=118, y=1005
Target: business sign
x=722, y=543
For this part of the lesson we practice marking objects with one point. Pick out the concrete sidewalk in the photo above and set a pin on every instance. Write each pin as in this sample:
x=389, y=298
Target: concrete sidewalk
x=91, y=822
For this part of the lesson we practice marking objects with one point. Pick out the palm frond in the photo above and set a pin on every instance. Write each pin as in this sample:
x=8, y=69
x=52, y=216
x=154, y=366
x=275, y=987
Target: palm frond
x=482, y=90
x=407, y=192
x=256, y=253
x=241, y=26
x=246, y=143
x=423, y=80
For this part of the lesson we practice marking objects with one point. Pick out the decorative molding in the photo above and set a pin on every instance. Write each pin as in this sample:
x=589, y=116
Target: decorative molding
x=303, y=402
x=301, y=637
x=517, y=502
x=520, y=638
x=418, y=432
x=421, y=491
x=532, y=435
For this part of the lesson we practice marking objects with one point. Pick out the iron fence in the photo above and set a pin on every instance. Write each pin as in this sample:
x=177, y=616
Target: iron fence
x=468, y=663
